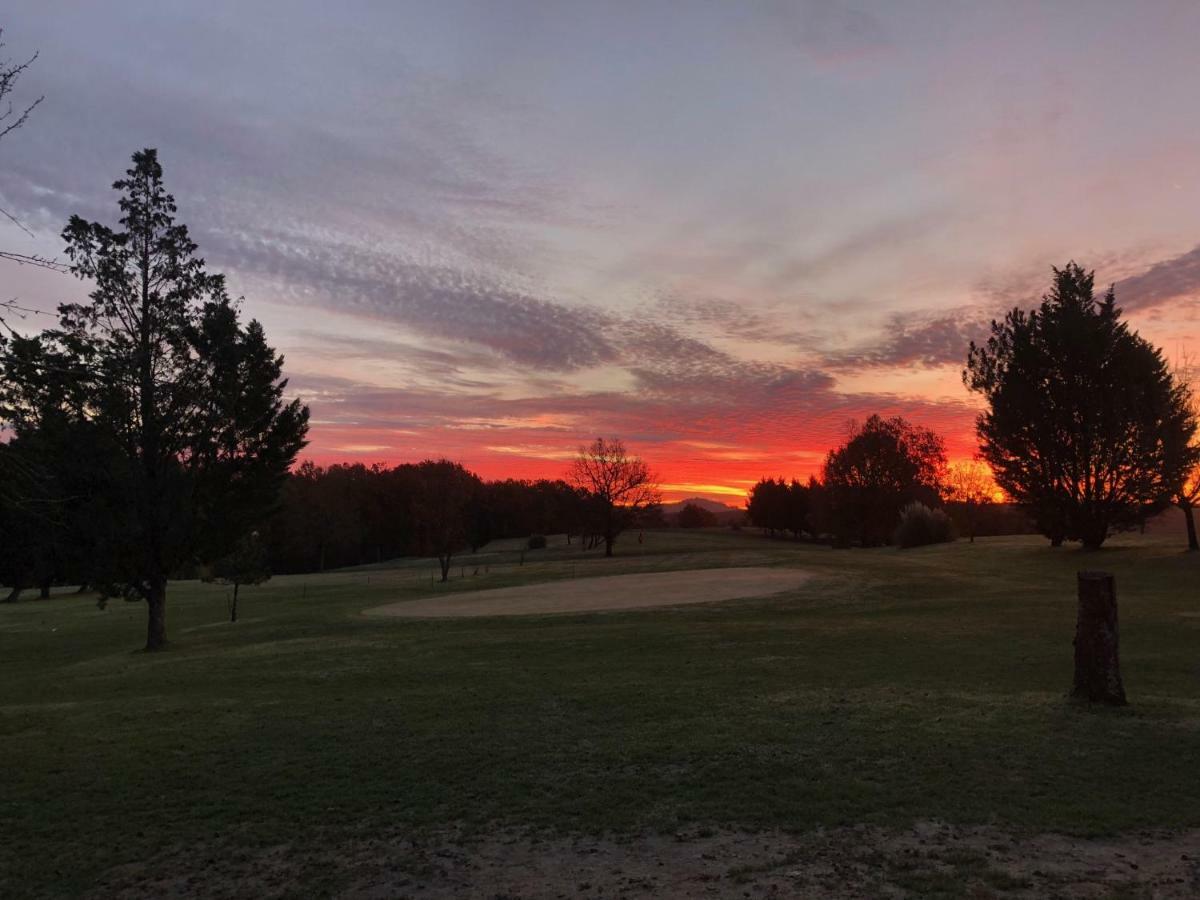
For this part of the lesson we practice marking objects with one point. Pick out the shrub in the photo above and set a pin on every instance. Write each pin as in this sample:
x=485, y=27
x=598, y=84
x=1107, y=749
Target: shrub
x=920, y=525
x=536, y=542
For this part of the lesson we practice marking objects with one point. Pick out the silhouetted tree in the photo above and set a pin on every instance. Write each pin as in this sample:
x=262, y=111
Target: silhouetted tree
x=481, y=513
x=884, y=465
x=779, y=506
x=1082, y=413
x=23, y=519
x=572, y=506
x=43, y=403
x=797, y=508
x=970, y=483
x=190, y=400
x=246, y=563
x=693, y=516
x=766, y=505
x=1185, y=492
x=441, y=508
x=620, y=487
x=1187, y=496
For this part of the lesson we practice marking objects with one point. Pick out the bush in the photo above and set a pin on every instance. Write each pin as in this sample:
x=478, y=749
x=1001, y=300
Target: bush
x=920, y=525
x=536, y=542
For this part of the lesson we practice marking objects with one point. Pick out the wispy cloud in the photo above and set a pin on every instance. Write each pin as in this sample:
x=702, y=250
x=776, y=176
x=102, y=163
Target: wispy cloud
x=922, y=339
x=1171, y=280
x=719, y=235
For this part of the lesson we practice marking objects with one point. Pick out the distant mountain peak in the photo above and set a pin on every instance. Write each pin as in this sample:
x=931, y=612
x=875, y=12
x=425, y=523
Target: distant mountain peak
x=702, y=502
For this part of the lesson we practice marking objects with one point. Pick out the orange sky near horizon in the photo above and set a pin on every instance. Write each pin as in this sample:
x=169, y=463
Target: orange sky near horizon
x=684, y=469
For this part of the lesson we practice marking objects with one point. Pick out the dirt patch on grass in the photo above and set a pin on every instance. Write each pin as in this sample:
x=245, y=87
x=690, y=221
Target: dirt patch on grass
x=928, y=860
x=613, y=592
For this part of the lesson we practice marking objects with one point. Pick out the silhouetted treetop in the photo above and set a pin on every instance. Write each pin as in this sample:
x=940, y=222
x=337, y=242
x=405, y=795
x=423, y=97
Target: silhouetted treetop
x=883, y=466
x=1082, y=412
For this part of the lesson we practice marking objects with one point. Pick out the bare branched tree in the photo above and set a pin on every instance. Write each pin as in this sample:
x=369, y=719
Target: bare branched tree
x=33, y=259
x=14, y=310
x=620, y=487
x=12, y=117
x=970, y=483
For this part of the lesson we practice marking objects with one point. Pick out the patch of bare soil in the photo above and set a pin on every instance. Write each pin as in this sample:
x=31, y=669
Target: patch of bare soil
x=637, y=591
x=928, y=860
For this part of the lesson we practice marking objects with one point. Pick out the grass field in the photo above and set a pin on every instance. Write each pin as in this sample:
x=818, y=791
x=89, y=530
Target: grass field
x=891, y=688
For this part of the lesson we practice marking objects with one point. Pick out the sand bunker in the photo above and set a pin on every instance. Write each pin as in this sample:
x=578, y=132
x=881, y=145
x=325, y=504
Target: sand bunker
x=639, y=591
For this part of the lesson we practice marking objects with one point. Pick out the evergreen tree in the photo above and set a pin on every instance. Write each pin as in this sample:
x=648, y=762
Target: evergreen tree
x=189, y=400
x=1085, y=424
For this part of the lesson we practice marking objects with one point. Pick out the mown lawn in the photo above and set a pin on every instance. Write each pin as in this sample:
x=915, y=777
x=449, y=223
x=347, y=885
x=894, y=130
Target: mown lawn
x=893, y=687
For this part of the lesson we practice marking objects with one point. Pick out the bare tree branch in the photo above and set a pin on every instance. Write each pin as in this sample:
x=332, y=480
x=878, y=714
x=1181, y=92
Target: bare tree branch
x=10, y=73
x=33, y=259
x=12, y=118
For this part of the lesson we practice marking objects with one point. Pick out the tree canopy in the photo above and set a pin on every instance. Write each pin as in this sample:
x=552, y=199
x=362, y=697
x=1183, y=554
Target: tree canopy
x=781, y=506
x=1084, y=424
x=621, y=487
x=884, y=465
x=442, y=499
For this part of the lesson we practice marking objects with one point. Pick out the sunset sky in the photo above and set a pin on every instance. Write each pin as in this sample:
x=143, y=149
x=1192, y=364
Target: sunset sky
x=718, y=230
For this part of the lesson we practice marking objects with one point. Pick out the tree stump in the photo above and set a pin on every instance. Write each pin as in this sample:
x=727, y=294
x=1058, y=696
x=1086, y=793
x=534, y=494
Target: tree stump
x=1097, y=664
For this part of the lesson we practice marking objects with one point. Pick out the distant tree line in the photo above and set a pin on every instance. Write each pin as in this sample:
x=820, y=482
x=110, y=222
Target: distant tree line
x=352, y=514
x=1086, y=431
x=321, y=518
x=885, y=465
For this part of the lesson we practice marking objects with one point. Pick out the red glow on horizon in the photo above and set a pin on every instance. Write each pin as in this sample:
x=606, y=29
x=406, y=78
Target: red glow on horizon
x=684, y=469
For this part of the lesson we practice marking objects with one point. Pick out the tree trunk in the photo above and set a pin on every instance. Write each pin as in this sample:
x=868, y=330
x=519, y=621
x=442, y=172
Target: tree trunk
x=233, y=605
x=608, y=544
x=1093, y=536
x=1056, y=540
x=1097, y=662
x=156, y=602
x=44, y=589
x=1190, y=517
x=150, y=500
x=444, y=561
x=14, y=594
x=83, y=588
